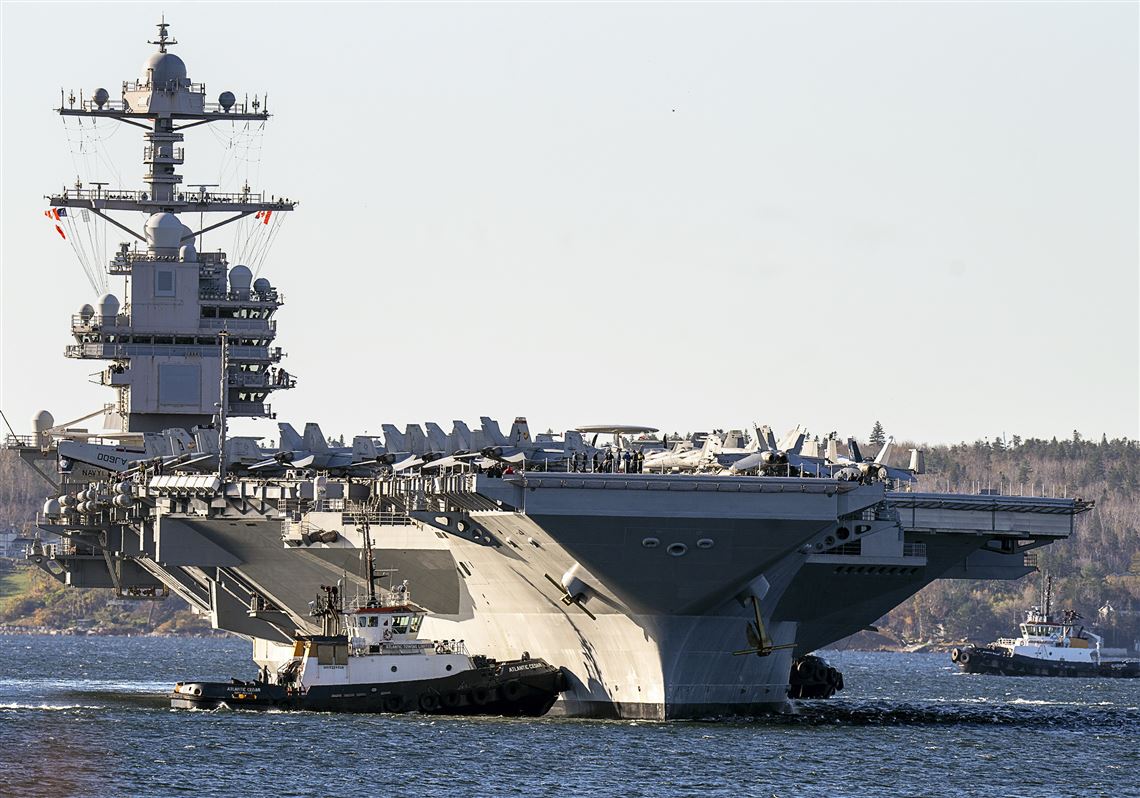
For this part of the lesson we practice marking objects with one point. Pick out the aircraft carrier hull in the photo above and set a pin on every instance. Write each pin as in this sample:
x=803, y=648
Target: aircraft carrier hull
x=643, y=588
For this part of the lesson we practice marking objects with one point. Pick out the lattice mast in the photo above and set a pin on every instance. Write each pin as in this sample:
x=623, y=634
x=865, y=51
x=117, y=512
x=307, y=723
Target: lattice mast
x=164, y=343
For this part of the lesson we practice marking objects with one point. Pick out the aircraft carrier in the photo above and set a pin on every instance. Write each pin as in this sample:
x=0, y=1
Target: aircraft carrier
x=670, y=578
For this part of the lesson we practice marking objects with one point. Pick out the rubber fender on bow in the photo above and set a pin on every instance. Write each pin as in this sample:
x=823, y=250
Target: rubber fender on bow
x=393, y=703
x=512, y=690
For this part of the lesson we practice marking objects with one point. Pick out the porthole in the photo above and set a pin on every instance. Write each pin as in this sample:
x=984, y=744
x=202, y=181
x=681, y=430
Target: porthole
x=393, y=669
x=448, y=667
x=705, y=543
x=829, y=541
x=650, y=543
x=677, y=549
x=843, y=533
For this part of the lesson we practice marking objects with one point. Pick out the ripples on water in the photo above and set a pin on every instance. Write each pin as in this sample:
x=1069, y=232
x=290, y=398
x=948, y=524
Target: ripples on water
x=89, y=717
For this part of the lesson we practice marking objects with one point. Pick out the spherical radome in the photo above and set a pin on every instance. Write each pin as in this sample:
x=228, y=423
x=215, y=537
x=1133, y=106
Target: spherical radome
x=240, y=278
x=226, y=99
x=163, y=69
x=43, y=420
x=164, y=231
x=108, y=306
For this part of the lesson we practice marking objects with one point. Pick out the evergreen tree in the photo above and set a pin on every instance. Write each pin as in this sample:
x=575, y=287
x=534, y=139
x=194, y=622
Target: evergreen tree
x=878, y=436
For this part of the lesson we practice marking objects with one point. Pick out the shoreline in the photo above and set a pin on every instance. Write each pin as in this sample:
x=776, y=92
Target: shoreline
x=47, y=631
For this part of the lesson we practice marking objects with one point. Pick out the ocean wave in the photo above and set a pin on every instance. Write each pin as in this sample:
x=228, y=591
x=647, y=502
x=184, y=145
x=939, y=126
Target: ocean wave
x=1015, y=713
x=20, y=706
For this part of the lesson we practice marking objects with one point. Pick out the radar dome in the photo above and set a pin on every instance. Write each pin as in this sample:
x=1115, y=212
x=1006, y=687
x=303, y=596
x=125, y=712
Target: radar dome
x=165, y=71
x=240, y=278
x=261, y=285
x=187, y=253
x=164, y=233
x=226, y=99
x=86, y=312
x=100, y=97
x=42, y=421
x=108, y=306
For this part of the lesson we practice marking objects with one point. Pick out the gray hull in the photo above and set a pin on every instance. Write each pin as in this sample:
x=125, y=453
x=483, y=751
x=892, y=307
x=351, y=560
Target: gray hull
x=641, y=587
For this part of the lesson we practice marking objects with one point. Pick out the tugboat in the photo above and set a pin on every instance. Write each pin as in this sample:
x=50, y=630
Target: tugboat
x=371, y=659
x=1046, y=647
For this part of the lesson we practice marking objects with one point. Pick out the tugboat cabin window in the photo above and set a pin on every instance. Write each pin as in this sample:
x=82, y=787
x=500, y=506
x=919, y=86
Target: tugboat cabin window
x=373, y=621
x=328, y=654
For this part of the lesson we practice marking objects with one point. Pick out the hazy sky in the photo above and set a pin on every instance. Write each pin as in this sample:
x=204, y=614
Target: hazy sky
x=679, y=215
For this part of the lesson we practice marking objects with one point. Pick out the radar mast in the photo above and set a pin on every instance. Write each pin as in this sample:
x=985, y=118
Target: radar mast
x=164, y=341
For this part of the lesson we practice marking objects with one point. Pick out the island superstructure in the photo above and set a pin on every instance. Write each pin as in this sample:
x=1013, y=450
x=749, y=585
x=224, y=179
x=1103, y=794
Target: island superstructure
x=683, y=592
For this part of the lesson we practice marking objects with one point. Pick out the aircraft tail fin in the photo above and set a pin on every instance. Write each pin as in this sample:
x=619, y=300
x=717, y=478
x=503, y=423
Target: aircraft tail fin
x=364, y=448
x=573, y=441
x=713, y=443
x=885, y=452
x=492, y=432
x=206, y=440
x=520, y=432
x=178, y=440
x=853, y=448
x=437, y=438
x=313, y=439
x=832, y=450
x=417, y=441
x=243, y=450
x=794, y=440
x=767, y=438
x=917, y=461
x=155, y=445
x=290, y=440
x=394, y=440
x=461, y=437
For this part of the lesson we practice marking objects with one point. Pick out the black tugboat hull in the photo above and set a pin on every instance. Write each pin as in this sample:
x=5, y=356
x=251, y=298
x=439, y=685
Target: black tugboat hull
x=520, y=688
x=998, y=662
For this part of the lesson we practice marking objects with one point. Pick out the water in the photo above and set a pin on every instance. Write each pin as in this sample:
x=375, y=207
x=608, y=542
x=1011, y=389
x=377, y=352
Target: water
x=88, y=717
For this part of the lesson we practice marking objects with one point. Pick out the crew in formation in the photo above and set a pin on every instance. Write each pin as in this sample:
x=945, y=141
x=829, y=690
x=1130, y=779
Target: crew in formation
x=486, y=450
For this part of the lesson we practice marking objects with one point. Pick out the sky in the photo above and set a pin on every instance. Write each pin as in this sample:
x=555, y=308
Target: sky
x=680, y=215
